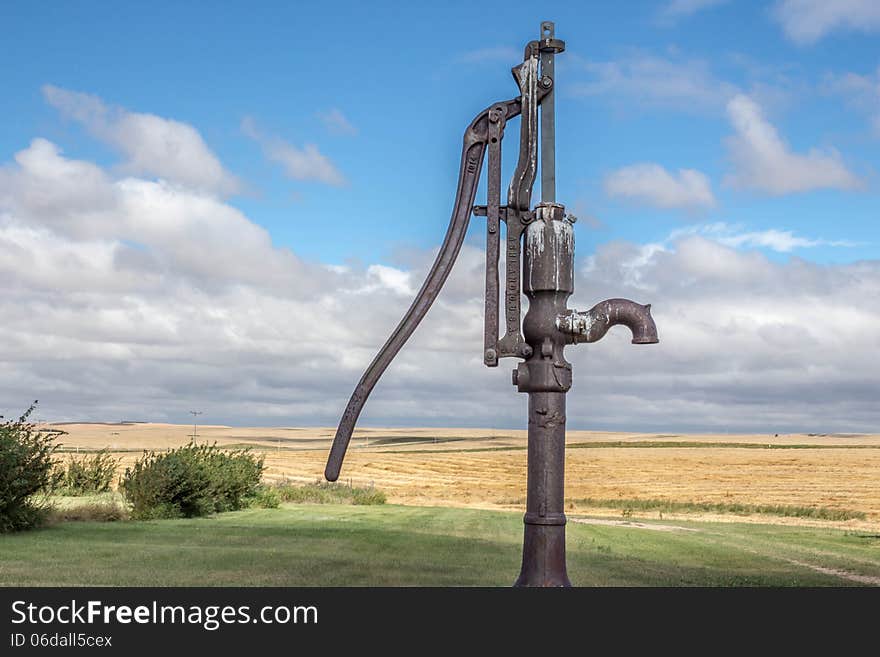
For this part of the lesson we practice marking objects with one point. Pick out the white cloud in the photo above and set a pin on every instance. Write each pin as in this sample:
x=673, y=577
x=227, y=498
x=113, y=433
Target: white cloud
x=43, y=183
x=764, y=162
x=777, y=240
x=191, y=229
x=337, y=123
x=392, y=278
x=677, y=9
x=153, y=145
x=860, y=91
x=671, y=80
x=808, y=21
x=745, y=343
x=112, y=311
x=649, y=80
x=306, y=163
x=653, y=185
x=781, y=241
x=632, y=264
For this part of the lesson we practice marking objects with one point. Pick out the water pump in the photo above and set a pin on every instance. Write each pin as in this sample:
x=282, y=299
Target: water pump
x=539, y=262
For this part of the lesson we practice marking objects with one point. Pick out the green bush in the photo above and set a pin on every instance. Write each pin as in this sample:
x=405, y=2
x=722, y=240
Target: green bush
x=190, y=481
x=25, y=471
x=85, y=475
x=265, y=497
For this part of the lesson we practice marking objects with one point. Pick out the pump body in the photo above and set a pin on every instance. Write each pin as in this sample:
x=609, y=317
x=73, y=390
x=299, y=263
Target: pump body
x=539, y=262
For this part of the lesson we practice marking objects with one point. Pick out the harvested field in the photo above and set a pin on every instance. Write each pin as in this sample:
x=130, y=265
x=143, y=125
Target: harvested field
x=485, y=468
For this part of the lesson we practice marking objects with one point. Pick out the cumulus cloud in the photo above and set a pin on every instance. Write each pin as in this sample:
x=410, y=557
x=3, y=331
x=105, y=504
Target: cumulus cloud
x=763, y=161
x=781, y=241
x=391, y=278
x=653, y=185
x=306, y=163
x=153, y=145
x=769, y=339
x=808, y=21
x=44, y=184
x=860, y=91
x=336, y=123
x=632, y=268
x=111, y=311
x=191, y=230
x=654, y=81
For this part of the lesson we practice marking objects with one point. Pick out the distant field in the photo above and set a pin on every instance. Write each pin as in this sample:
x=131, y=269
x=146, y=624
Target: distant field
x=326, y=545
x=819, y=479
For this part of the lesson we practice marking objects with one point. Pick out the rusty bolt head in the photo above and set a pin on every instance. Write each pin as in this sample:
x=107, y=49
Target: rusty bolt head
x=491, y=354
x=525, y=350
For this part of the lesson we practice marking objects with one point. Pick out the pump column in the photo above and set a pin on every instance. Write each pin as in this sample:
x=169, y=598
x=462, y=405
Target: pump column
x=548, y=281
x=549, y=47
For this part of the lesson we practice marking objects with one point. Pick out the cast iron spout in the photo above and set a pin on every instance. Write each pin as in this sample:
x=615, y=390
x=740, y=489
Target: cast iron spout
x=593, y=324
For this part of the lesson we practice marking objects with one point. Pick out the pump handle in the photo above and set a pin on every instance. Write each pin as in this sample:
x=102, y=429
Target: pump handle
x=476, y=138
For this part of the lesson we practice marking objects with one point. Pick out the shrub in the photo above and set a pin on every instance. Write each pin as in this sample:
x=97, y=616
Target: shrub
x=85, y=475
x=325, y=492
x=265, y=497
x=190, y=481
x=25, y=471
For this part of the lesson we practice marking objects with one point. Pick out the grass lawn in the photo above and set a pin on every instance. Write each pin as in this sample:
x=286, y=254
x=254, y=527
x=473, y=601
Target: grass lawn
x=386, y=545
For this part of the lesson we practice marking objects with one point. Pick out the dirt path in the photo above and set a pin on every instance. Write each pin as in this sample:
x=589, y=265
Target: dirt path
x=834, y=572
x=843, y=574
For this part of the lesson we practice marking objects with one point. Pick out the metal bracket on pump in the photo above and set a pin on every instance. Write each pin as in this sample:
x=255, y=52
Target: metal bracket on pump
x=535, y=88
x=488, y=124
x=539, y=262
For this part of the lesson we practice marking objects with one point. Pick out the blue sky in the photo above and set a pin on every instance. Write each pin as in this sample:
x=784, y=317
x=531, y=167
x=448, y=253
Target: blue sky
x=230, y=208
x=407, y=77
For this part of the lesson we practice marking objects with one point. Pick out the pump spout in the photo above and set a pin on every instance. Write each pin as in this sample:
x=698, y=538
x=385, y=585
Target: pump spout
x=592, y=325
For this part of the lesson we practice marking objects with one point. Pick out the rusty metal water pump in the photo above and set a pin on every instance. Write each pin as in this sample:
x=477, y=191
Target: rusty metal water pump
x=539, y=262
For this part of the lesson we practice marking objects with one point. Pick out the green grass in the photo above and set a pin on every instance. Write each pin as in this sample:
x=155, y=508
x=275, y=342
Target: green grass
x=785, y=510
x=387, y=545
x=325, y=492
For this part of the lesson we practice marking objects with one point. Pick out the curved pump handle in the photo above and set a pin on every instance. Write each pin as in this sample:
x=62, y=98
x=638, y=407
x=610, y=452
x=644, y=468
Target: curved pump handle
x=476, y=138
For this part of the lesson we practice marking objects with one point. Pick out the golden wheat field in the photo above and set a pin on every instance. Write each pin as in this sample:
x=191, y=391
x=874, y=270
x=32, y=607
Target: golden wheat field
x=487, y=468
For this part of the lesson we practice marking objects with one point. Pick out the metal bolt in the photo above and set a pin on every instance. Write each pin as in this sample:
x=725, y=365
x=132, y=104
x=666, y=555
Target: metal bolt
x=515, y=376
x=491, y=355
x=546, y=82
x=526, y=351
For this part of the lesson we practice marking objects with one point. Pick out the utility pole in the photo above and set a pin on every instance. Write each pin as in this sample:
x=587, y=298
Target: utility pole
x=195, y=415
